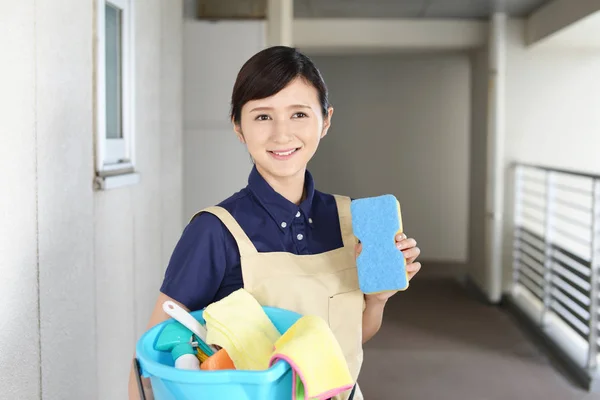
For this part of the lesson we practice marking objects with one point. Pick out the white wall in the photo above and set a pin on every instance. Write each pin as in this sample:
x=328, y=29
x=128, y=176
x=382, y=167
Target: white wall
x=552, y=111
x=65, y=200
x=401, y=125
x=19, y=315
x=70, y=256
x=216, y=164
x=171, y=128
x=137, y=228
x=552, y=105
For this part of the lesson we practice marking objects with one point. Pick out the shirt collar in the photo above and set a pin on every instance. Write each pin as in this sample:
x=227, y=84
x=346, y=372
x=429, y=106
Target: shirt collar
x=279, y=208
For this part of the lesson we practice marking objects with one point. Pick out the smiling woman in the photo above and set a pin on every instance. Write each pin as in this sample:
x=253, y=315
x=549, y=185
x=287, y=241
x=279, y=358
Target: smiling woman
x=282, y=133
x=287, y=244
x=280, y=110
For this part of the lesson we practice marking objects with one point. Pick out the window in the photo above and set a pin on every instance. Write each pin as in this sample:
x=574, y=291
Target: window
x=115, y=138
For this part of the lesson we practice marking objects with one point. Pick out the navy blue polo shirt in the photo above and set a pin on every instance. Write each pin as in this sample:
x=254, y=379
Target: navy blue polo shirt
x=205, y=265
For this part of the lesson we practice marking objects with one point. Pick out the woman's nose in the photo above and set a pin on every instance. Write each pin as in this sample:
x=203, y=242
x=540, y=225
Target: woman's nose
x=282, y=132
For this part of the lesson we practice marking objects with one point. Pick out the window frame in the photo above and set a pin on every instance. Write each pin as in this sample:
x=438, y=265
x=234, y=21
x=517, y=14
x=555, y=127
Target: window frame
x=116, y=156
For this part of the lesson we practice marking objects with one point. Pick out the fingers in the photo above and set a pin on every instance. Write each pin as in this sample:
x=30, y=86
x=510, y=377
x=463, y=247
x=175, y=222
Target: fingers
x=412, y=269
x=408, y=247
x=406, y=244
x=357, y=249
x=411, y=254
x=400, y=237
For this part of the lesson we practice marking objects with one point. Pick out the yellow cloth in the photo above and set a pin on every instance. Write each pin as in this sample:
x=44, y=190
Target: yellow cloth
x=238, y=324
x=316, y=357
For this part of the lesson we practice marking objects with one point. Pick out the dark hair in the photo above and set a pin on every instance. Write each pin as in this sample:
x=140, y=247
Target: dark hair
x=271, y=70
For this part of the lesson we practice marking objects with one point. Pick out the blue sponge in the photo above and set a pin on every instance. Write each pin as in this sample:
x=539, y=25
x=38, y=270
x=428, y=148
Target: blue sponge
x=381, y=266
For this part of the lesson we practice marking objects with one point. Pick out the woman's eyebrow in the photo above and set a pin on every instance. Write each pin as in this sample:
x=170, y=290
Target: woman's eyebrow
x=271, y=108
x=299, y=106
x=261, y=109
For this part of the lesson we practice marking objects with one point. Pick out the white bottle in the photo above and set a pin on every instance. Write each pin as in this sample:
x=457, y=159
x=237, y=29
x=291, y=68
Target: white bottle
x=185, y=357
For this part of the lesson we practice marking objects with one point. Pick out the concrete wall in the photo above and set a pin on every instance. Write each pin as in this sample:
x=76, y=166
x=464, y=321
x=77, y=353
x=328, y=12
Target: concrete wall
x=140, y=225
x=552, y=111
x=477, y=171
x=81, y=269
x=65, y=200
x=401, y=125
x=216, y=164
x=171, y=128
x=551, y=120
x=19, y=316
x=552, y=105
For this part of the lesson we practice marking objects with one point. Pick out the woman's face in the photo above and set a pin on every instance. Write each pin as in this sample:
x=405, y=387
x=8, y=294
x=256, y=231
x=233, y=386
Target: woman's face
x=282, y=132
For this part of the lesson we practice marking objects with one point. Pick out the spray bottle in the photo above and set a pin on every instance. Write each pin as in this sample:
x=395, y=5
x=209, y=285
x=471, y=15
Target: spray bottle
x=177, y=339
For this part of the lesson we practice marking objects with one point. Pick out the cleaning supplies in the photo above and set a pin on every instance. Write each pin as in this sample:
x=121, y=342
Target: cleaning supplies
x=239, y=325
x=319, y=367
x=202, y=356
x=381, y=266
x=218, y=361
x=186, y=319
x=250, y=341
x=170, y=383
x=185, y=357
x=176, y=339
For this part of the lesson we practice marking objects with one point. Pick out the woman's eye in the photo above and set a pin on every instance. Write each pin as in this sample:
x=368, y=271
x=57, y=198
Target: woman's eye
x=300, y=115
x=262, y=117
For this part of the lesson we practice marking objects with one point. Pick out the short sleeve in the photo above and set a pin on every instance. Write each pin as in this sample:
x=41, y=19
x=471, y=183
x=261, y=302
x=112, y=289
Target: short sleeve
x=198, y=263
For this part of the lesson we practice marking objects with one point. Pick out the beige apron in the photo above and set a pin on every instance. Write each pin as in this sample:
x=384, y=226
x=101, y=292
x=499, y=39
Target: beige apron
x=323, y=284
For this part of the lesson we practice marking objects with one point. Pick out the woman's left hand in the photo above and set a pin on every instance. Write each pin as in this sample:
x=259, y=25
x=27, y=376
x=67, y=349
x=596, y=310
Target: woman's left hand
x=409, y=249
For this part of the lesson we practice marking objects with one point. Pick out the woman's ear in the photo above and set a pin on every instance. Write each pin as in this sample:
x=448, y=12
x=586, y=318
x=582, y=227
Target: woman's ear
x=237, y=128
x=327, y=122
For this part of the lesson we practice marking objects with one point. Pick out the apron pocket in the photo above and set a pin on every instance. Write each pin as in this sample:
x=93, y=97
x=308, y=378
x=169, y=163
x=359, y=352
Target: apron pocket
x=345, y=320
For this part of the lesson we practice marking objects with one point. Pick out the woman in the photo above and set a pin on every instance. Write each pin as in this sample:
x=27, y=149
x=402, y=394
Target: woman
x=288, y=244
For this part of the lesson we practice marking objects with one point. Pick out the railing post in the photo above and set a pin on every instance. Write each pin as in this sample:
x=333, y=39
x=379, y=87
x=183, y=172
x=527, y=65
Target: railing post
x=517, y=198
x=548, y=246
x=594, y=282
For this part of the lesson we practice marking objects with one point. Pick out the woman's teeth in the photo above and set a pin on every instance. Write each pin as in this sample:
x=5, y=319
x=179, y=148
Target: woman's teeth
x=286, y=153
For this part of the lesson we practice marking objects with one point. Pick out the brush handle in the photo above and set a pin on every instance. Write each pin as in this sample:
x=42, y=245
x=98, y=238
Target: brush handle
x=185, y=319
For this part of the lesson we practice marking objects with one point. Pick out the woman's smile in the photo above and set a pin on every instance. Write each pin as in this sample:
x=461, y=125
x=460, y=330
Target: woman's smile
x=284, y=154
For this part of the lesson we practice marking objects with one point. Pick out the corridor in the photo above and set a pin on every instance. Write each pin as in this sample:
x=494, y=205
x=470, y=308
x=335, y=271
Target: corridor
x=480, y=117
x=439, y=342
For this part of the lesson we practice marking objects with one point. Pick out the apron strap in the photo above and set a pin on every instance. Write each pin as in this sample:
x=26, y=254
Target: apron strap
x=343, y=206
x=244, y=243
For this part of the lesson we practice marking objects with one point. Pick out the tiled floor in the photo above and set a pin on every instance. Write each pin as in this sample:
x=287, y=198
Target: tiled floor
x=438, y=343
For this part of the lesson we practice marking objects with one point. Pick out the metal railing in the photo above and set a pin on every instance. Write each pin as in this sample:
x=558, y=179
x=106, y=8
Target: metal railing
x=556, y=252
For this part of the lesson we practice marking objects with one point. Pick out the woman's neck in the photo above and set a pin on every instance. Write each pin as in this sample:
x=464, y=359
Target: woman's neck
x=292, y=187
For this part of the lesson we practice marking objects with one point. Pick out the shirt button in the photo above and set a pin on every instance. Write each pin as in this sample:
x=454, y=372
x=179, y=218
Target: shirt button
x=283, y=224
x=310, y=220
x=300, y=236
x=298, y=214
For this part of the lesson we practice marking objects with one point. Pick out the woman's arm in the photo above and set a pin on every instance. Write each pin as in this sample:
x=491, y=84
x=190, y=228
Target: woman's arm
x=195, y=273
x=158, y=316
x=375, y=304
x=372, y=317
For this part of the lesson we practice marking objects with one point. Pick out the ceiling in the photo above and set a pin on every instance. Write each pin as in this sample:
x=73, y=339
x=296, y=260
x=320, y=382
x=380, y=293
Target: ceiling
x=470, y=9
x=583, y=35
